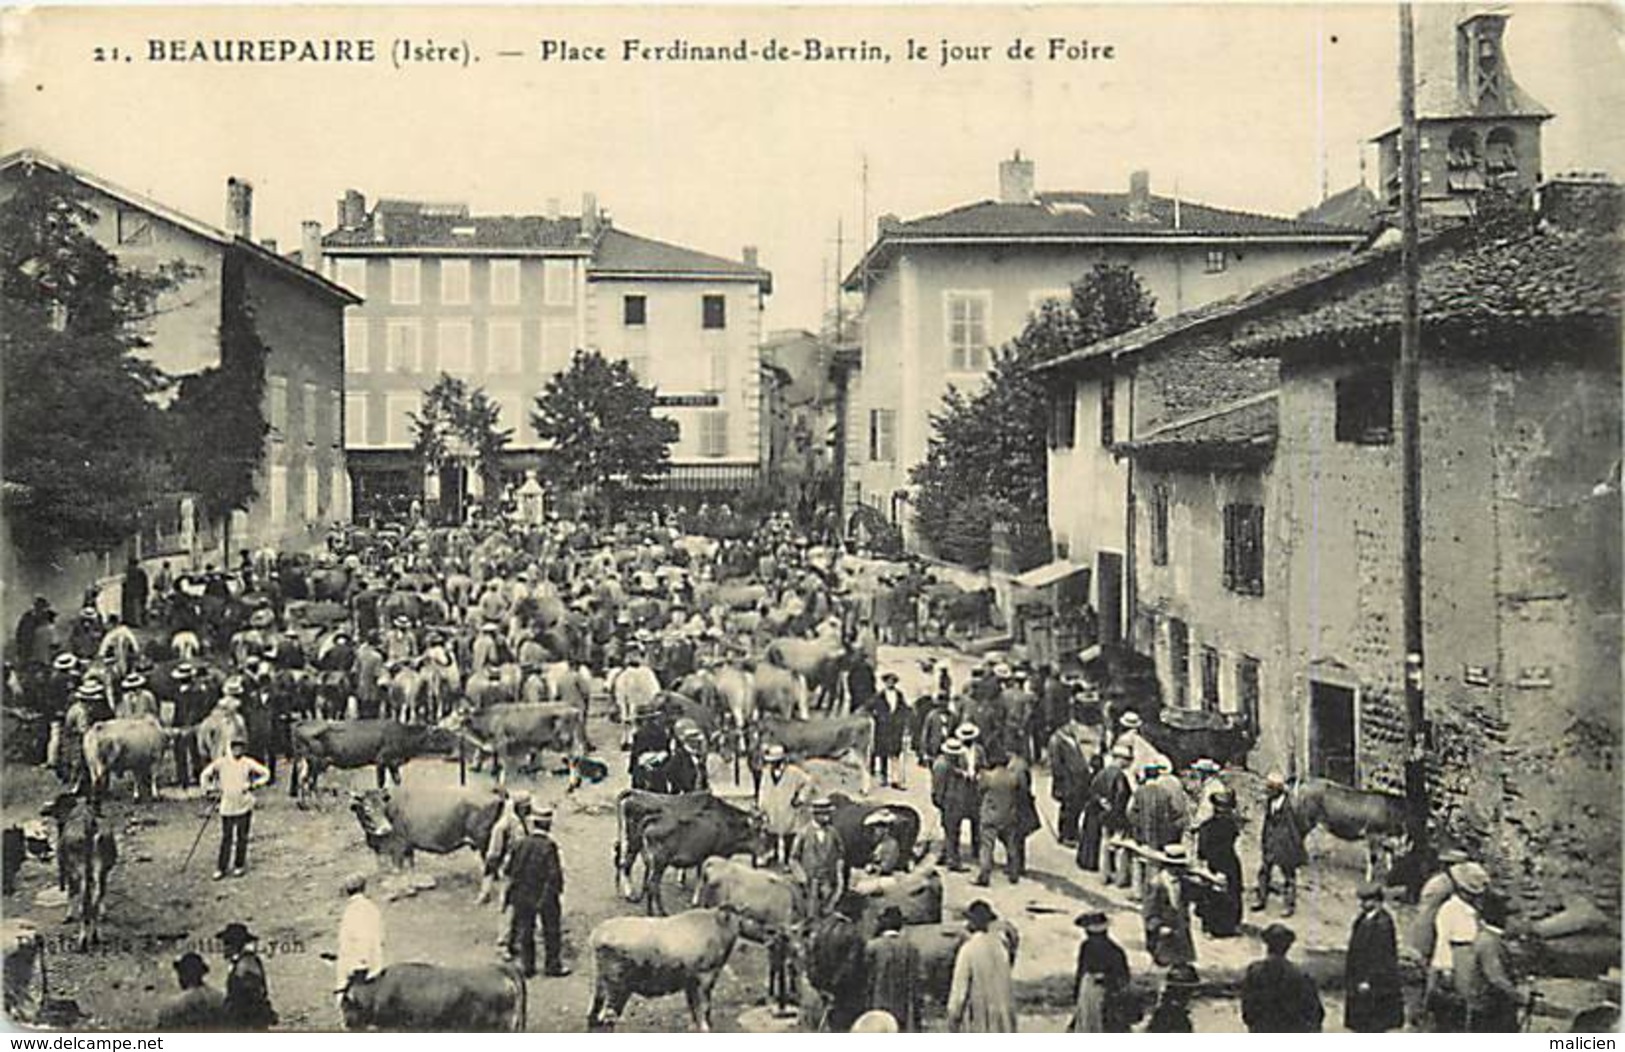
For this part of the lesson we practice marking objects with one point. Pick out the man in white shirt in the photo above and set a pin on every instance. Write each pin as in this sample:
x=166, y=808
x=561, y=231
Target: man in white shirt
x=1454, y=930
x=235, y=777
x=361, y=937
x=635, y=690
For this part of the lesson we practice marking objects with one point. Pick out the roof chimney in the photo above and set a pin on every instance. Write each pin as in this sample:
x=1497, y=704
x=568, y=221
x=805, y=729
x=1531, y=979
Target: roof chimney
x=589, y=214
x=1016, y=181
x=240, y=207
x=748, y=253
x=886, y=224
x=310, y=244
x=552, y=212
x=353, y=210
x=380, y=230
x=1139, y=196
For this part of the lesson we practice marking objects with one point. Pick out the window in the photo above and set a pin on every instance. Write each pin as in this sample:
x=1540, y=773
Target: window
x=1216, y=261
x=714, y=434
x=967, y=330
x=278, y=495
x=455, y=340
x=1210, y=679
x=634, y=310
x=335, y=413
x=1108, y=410
x=502, y=347
x=401, y=406
x=1462, y=161
x=1247, y=691
x=454, y=281
x=355, y=341
x=1159, y=524
x=1063, y=418
x=1244, y=548
x=558, y=282
x=355, y=418
x=505, y=281
x=557, y=338
x=713, y=312
x=1365, y=407
x=1501, y=152
x=352, y=274
x=134, y=227
x=279, y=408
x=405, y=339
x=1179, y=661
x=309, y=413
x=313, y=492
x=405, y=280
x=883, y=435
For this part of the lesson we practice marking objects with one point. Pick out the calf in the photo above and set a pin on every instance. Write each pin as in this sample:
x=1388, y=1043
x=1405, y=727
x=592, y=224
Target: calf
x=769, y=907
x=657, y=956
x=133, y=746
x=433, y=997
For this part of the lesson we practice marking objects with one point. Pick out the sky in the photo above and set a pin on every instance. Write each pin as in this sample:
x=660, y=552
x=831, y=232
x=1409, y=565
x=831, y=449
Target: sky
x=1241, y=106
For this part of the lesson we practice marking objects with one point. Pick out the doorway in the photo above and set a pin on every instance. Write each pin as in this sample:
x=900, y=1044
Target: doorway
x=1331, y=734
x=1110, y=574
x=453, y=481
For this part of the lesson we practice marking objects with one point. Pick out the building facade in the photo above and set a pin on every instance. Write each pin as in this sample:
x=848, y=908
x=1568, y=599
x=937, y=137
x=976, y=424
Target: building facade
x=503, y=302
x=941, y=291
x=303, y=485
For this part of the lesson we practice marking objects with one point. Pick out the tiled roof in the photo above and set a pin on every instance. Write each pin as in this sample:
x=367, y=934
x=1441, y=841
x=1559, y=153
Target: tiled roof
x=408, y=226
x=619, y=252
x=1238, y=433
x=1542, y=275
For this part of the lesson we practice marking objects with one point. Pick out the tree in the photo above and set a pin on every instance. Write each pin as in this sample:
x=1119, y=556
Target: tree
x=217, y=425
x=455, y=418
x=83, y=439
x=986, y=459
x=601, y=422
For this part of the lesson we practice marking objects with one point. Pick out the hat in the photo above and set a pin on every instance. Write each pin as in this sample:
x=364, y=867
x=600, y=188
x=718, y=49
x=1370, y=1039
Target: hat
x=1003, y=670
x=1451, y=856
x=967, y=732
x=1182, y=976
x=1131, y=720
x=1470, y=877
x=520, y=798
x=89, y=613
x=182, y=671
x=65, y=663
x=190, y=965
x=1093, y=922
x=236, y=740
x=1174, y=855
x=889, y=677
x=543, y=816
x=1122, y=752
x=1206, y=766
x=773, y=753
x=1223, y=799
x=1279, y=937
x=823, y=804
x=89, y=690
x=980, y=913
x=354, y=883
x=1369, y=889
x=402, y=621
x=875, y=1021
x=233, y=686
x=1153, y=766
x=260, y=618
x=953, y=747
x=890, y=919
x=1275, y=780
x=236, y=934
x=883, y=817
x=134, y=681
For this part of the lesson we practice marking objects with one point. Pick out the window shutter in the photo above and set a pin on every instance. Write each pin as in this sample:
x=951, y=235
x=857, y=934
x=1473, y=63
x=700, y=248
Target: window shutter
x=1230, y=546
x=1255, y=554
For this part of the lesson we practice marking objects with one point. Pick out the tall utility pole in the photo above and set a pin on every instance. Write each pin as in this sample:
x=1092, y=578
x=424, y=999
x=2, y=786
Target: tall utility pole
x=1410, y=350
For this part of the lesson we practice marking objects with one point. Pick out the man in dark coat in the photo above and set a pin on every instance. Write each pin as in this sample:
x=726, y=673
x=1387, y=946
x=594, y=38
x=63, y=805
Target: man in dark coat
x=1070, y=774
x=890, y=711
x=1374, y=1001
x=953, y=792
x=860, y=682
x=248, y=999
x=1276, y=996
x=1007, y=816
x=892, y=964
x=1282, y=844
x=535, y=884
x=836, y=964
x=1105, y=815
x=133, y=595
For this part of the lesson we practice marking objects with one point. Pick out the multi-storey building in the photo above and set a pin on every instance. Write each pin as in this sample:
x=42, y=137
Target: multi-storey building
x=303, y=486
x=504, y=301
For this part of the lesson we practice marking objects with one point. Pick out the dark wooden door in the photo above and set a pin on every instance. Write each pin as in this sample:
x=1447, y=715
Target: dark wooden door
x=1110, y=575
x=1331, y=734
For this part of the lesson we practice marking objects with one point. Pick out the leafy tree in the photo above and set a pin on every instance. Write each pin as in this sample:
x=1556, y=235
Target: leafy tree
x=605, y=435
x=217, y=425
x=455, y=414
x=985, y=461
x=83, y=440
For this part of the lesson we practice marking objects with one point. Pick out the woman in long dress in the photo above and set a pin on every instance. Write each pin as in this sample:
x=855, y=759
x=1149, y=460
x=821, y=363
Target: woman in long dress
x=1102, y=981
x=1220, y=910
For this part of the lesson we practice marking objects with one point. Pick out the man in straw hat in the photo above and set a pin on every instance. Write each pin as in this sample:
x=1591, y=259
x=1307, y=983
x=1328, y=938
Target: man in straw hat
x=1455, y=930
x=234, y=777
x=786, y=791
x=1105, y=820
x=1166, y=909
x=1101, y=980
x=953, y=792
x=361, y=936
x=818, y=861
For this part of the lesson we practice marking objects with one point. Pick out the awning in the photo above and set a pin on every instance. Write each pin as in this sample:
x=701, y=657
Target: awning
x=1049, y=573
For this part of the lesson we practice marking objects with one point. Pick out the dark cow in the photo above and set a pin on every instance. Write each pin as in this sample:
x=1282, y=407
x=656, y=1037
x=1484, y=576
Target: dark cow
x=682, y=831
x=86, y=853
x=133, y=746
x=939, y=945
x=917, y=895
x=858, y=840
x=438, y=820
x=435, y=998
x=513, y=729
x=849, y=738
x=1187, y=736
x=657, y=956
x=1379, y=819
x=348, y=744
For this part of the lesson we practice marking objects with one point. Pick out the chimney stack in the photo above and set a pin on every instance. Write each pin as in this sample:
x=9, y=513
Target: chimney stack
x=1016, y=181
x=240, y=207
x=353, y=210
x=268, y=243
x=552, y=212
x=589, y=214
x=310, y=244
x=1139, y=196
x=886, y=224
x=748, y=253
